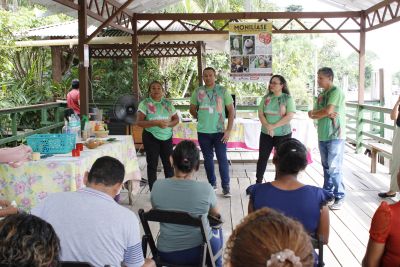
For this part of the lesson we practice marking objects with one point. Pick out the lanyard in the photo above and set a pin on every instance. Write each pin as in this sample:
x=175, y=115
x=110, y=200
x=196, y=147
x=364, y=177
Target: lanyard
x=213, y=95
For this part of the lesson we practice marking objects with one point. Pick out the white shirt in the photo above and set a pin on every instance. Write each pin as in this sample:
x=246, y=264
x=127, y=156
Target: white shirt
x=93, y=228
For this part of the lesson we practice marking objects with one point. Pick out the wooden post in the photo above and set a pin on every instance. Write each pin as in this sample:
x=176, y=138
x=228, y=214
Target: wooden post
x=381, y=100
x=135, y=59
x=361, y=60
x=359, y=127
x=82, y=50
x=200, y=62
x=56, y=72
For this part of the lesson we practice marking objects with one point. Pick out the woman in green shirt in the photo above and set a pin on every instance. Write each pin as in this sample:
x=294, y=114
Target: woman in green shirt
x=157, y=116
x=275, y=112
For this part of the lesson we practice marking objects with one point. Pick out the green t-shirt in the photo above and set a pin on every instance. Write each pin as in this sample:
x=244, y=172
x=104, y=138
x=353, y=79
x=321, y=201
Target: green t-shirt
x=332, y=129
x=274, y=108
x=190, y=196
x=211, y=104
x=162, y=110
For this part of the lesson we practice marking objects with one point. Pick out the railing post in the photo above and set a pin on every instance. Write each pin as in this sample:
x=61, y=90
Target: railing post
x=43, y=119
x=58, y=113
x=359, y=127
x=14, y=124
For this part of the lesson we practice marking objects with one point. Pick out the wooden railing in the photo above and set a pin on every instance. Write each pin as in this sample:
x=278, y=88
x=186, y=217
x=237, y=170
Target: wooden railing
x=368, y=123
x=12, y=129
x=365, y=123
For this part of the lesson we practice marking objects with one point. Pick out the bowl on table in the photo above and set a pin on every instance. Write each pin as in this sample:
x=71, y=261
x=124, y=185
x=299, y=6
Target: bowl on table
x=101, y=134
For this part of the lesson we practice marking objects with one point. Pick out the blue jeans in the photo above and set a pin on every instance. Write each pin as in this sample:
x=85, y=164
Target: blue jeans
x=209, y=142
x=332, y=162
x=191, y=256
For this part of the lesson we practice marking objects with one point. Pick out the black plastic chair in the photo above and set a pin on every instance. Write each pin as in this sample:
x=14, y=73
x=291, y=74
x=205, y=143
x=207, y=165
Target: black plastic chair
x=181, y=218
x=75, y=264
x=318, y=245
x=62, y=264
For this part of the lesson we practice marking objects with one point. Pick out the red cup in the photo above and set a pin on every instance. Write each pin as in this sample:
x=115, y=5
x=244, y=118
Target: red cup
x=79, y=146
x=76, y=153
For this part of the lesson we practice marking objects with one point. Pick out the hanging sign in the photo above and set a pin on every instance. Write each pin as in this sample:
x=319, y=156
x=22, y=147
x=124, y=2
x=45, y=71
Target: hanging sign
x=250, y=51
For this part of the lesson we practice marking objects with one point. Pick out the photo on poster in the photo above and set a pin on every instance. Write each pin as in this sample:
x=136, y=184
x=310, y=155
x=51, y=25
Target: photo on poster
x=248, y=45
x=236, y=44
x=239, y=64
x=260, y=63
x=263, y=44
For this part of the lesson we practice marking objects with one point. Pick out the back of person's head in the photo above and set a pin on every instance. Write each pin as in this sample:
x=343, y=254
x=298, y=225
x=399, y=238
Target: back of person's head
x=290, y=157
x=186, y=157
x=75, y=84
x=268, y=238
x=107, y=171
x=328, y=72
x=28, y=241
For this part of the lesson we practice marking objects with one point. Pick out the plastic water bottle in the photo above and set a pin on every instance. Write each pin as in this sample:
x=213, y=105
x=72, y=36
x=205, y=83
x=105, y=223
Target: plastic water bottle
x=65, y=129
x=75, y=127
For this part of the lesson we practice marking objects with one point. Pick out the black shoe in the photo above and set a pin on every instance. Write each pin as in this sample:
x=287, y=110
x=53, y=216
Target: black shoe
x=385, y=195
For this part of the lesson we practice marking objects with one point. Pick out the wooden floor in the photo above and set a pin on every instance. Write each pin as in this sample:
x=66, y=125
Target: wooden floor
x=349, y=226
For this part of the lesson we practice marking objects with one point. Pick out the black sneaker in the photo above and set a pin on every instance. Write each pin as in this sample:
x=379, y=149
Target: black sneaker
x=226, y=193
x=385, y=195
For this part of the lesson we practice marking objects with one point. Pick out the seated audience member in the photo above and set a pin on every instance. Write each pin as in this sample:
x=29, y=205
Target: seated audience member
x=305, y=203
x=384, y=240
x=268, y=238
x=28, y=241
x=181, y=244
x=7, y=208
x=91, y=226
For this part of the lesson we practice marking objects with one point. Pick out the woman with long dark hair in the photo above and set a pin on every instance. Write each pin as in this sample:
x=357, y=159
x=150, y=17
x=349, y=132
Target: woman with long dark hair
x=275, y=112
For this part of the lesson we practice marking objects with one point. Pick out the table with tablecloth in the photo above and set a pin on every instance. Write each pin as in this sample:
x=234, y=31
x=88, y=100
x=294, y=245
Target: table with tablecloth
x=34, y=180
x=245, y=133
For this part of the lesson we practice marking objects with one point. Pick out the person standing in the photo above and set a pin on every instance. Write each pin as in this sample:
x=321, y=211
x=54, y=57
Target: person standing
x=330, y=113
x=157, y=116
x=73, y=97
x=207, y=104
x=395, y=164
x=275, y=112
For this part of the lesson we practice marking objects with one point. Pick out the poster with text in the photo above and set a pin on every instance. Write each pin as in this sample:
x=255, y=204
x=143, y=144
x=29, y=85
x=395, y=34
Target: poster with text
x=250, y=51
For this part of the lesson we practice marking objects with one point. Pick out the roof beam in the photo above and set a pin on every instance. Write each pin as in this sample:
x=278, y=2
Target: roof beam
x=249, y=15
x=382, y=14
x=108, y=20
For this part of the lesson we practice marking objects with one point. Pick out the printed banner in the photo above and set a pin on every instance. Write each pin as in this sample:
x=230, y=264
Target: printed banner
x=250, y=51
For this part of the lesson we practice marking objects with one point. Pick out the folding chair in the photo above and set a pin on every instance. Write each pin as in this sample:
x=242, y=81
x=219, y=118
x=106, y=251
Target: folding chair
x=180, y=218
x=319, y=246
x=74, y=264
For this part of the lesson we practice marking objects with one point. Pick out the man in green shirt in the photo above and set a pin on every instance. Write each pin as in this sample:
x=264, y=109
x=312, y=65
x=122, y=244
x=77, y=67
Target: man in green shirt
x=207, y=104
x=329, y=110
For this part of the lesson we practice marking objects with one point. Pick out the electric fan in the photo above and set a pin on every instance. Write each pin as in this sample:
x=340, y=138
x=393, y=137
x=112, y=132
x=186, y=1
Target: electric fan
x=125, y=109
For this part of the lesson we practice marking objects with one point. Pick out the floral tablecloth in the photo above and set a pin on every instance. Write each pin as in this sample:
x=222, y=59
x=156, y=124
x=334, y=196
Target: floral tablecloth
x=246, y=133
x=34, y=180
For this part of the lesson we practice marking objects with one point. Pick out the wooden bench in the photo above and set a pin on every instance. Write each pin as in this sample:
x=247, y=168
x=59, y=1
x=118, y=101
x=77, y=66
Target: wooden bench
x=381, y=148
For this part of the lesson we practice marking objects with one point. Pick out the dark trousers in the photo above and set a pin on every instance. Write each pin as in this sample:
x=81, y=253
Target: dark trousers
x=209, y=142
x=156, y=148
x=267, y=143
x=191, y=256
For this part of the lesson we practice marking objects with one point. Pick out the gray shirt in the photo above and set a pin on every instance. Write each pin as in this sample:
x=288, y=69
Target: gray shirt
x=93, y=228
x=190, y=196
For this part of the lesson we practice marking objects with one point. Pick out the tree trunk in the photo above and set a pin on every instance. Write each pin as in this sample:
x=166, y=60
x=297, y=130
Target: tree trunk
x=3, y=4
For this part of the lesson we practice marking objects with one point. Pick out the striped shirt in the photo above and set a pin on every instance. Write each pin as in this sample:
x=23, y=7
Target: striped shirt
x=93, y=228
